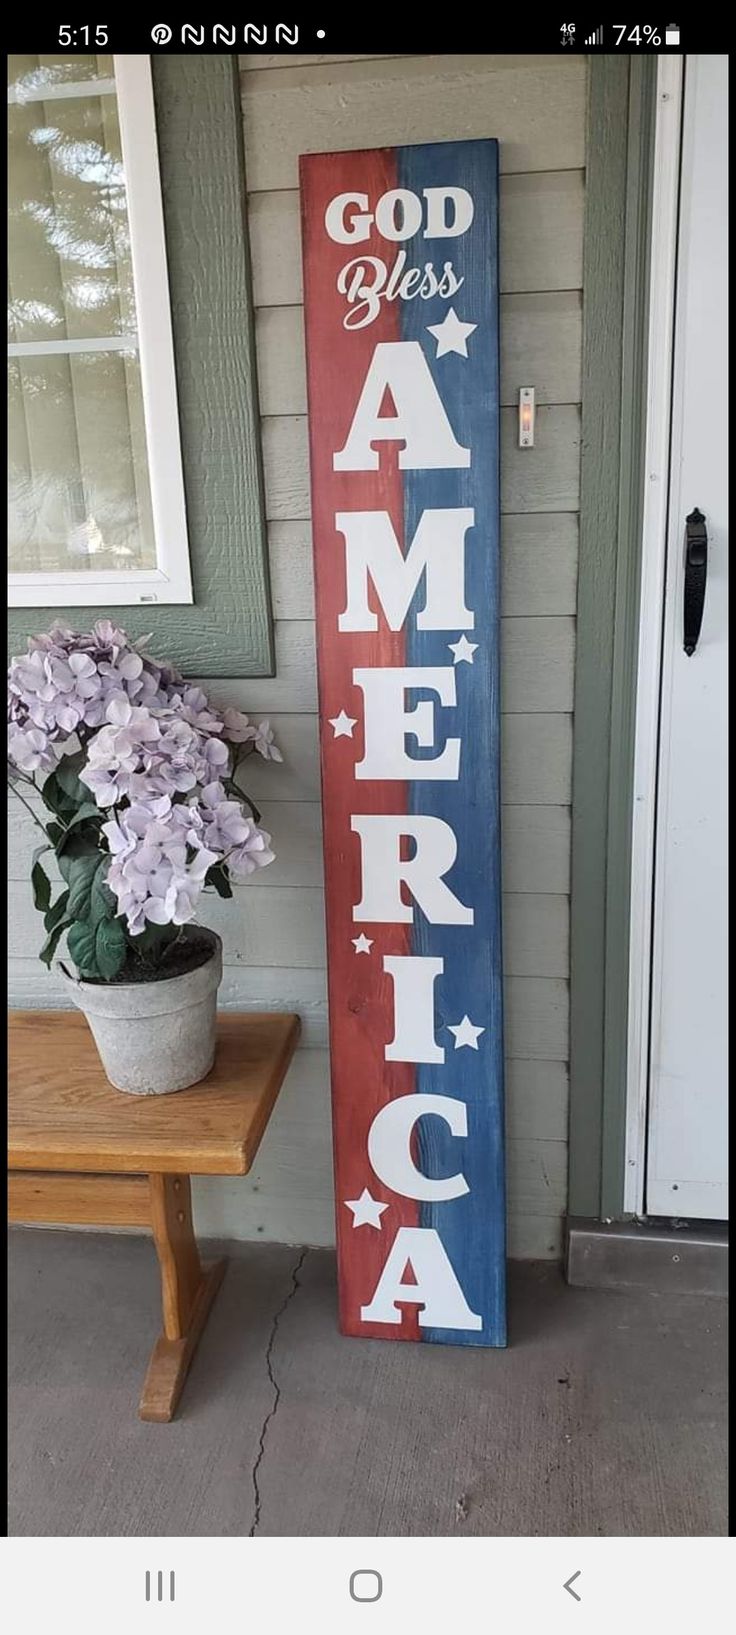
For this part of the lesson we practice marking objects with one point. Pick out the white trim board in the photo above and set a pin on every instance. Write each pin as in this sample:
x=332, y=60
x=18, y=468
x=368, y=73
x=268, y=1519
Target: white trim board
x=663, y=263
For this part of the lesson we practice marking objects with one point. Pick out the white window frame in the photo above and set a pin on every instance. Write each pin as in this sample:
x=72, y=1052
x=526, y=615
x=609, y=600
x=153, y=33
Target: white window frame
x=170, y=581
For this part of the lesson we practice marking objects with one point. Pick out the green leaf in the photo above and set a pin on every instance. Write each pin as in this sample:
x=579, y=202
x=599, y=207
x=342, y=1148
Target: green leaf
x=41, y=887
x=67, y=774
x=55, y=833
x=51, y=943
x=81, y=942
x=110, y=948
x=79, y=880
x=152, y=942
x=88, y=813
x=78, y=846
x=218, y=877
x=39, y=851
x=53, y=796
x=56, y=913
x=103, y=903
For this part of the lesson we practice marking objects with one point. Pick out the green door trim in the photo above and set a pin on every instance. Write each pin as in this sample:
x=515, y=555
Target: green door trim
x=619, y=162
x=227, y=630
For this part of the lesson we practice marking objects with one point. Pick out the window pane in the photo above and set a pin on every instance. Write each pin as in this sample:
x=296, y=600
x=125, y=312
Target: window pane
x=69, y=265
x=28, y=75
x=79, y=490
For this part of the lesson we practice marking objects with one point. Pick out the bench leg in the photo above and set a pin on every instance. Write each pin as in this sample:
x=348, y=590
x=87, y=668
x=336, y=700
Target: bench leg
x=187, y=1289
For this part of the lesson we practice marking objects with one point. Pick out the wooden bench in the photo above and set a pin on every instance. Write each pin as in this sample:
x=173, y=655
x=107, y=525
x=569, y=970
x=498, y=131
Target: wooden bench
x=81, y=1153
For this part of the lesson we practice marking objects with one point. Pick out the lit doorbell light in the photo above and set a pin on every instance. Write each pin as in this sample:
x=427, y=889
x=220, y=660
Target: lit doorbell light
x=526, y=417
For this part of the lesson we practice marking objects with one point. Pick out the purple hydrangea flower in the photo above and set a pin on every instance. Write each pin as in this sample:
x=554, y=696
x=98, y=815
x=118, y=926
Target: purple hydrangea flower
x=156, y=752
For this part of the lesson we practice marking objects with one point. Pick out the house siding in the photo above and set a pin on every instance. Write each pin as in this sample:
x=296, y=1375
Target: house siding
x=274, y=931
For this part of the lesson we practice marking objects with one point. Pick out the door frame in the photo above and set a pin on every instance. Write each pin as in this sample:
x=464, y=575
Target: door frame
x=616, y=261
x=662, y=294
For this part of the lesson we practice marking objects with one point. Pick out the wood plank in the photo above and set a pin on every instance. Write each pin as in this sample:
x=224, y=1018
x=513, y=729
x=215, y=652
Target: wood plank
x=79, y=1200
x=416, y=99
x=257, y=61
x=295, y=828
x=541, y=341
x=535, y=847
x=537, y=665
x=285, y=926
x=294, y=685
x=222, y=1210
x=542, y=231
x=538, y=565
x=536, y=1175
x=537, y=1018
x=280, y=926
x=535, y=1237
x=536, y=1096
x=289, y=1193
x=541, y=247
x=535, y=1022
x=537, y=658
x=545, y=478
x=63, y=1115
x=243, y=988
x=536, y=934
x=536, y=760
x=297, y=776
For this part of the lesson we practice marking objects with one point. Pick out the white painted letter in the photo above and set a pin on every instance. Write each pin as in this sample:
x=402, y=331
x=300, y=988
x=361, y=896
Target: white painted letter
x=360, y=226
x=437, y=550
x=463, y=208
x=404, y=205
x=387, y=723
x=389, y=1146
x=414, y=978
x=436, y=1289
x=384, y=869
x=420, y=421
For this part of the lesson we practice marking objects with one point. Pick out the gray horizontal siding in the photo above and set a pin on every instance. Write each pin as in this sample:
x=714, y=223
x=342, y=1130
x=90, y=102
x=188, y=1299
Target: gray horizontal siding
x=274, y=933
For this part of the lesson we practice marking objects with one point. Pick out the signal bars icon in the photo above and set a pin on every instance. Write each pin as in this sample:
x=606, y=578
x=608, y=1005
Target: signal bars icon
x=596, y=38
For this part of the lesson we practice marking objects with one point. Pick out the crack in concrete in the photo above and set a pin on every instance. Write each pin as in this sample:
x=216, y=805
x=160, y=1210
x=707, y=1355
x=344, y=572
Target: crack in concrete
x=276, y=1393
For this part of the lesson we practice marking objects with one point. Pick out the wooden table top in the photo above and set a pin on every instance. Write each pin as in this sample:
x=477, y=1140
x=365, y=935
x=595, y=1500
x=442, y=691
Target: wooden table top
x=63, y=1114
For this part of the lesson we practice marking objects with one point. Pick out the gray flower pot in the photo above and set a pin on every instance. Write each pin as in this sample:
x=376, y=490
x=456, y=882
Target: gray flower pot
x=153, y=1037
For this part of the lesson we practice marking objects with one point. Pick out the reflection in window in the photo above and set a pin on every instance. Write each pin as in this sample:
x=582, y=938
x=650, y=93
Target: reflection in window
x=79, y=483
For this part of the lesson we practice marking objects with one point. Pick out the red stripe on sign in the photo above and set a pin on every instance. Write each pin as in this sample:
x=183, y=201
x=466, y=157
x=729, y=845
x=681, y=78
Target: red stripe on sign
x=360, y=994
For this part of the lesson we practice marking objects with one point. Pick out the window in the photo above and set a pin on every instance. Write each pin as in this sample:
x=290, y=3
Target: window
x=97, y=513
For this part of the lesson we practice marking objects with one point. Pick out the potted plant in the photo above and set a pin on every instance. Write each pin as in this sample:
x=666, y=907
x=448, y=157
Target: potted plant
x=139, y=774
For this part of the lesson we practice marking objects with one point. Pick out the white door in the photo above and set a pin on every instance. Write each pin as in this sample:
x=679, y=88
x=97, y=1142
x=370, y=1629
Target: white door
x=687, y=1117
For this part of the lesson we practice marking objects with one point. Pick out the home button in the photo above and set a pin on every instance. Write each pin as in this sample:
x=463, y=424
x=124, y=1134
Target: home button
x=366, y=1585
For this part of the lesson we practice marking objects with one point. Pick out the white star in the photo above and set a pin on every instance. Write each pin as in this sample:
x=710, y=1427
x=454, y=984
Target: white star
x=362, y=944
x=342, y=725
x=366, y=1210
x=466, y=1034
x=463, y=650
x=452, y=334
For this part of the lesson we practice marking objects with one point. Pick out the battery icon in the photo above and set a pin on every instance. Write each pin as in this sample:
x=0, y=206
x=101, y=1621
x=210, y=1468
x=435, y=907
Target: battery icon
x=672, y=34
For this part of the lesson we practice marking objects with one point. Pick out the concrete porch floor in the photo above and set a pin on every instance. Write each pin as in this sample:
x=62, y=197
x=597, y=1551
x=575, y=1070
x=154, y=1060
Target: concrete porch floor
x=606, y=1415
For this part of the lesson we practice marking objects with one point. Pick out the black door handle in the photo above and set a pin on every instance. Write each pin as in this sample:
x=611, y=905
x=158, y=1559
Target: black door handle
x=696, y=573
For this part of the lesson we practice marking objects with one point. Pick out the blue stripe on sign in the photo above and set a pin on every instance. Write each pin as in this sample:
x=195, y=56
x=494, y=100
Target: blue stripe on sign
x=472, y=1228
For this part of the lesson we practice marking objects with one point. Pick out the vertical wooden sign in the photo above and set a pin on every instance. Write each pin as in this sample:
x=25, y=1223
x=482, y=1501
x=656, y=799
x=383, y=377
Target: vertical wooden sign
x=401, y=309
